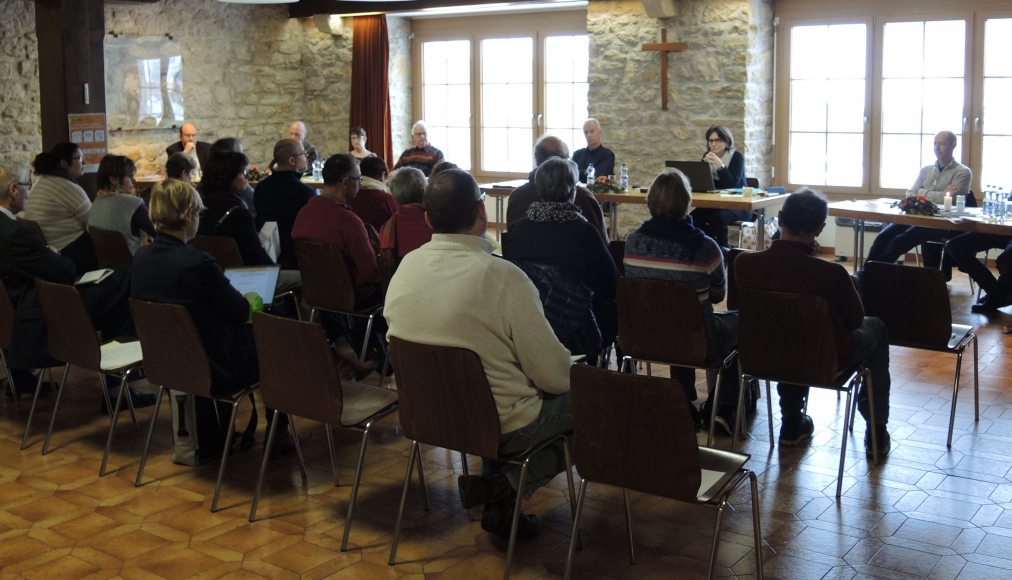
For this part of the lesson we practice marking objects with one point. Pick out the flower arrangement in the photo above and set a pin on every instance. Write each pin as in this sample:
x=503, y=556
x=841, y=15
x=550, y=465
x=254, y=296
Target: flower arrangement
x=918, y=205
x=254, y=174
x=604, y=184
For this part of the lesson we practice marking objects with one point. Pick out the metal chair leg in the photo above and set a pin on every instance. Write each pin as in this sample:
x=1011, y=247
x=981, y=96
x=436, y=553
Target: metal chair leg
x=715, y=545
x=147, y=441
x=10, y=379
x=298, y=447
x=421, y=482
x=463, y=463
x=333, y=455
x=368, y=335
x=404, y=498
x=271, y=431
x=769, y=412
x=224, y=455
x=955, y=394
x=31, y=412
x=56, y=407
x=976, y=382
x=739, y=410
x=757, y=534
x=511, y=547
x=869, y=388
x=629, y=526
x=576, y=529
x=354, y=487
x=843, y=447
x=112, y=426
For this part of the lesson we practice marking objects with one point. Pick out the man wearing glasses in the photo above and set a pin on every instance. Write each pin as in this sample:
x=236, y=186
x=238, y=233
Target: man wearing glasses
x=281, y=195
x=423, y=155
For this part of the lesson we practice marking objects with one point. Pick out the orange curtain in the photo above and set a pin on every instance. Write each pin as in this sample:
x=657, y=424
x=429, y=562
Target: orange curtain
x=370, y=88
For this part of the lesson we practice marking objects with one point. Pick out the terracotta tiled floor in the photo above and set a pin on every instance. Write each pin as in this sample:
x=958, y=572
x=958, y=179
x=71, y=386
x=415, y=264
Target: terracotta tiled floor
x=925, y=512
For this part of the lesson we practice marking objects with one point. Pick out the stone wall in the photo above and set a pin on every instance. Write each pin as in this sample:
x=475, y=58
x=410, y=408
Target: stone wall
x=20, y=110
x=399, y=33
x=711, y=82
x=248, y=72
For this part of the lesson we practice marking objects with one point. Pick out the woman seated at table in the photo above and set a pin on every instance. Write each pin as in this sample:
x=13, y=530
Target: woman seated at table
x=60, y=206
x=727, y=167
x=117, y=207
x=357, y=137
x=668, y=247
x=555, y=234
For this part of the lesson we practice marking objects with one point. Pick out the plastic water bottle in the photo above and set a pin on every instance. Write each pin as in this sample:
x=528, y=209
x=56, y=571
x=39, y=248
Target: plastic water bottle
x=317, y=170
x=590, y=173
x=623, y=178
x=1002, y=204
x=986, y=206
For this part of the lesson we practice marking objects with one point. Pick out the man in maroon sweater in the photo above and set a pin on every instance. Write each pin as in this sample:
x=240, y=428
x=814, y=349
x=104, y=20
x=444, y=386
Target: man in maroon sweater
x=328, y=218
x=790, y=265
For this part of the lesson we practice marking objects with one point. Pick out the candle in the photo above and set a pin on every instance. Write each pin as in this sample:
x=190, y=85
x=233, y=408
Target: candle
x=947, y=202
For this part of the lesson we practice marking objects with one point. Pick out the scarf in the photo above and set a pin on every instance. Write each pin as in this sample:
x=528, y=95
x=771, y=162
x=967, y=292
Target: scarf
x=557, y=212
x=680, y=231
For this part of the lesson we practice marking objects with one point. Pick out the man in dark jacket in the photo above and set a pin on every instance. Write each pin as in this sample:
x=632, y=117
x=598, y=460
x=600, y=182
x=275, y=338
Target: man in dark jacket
x=280, y=196
x=189, y=146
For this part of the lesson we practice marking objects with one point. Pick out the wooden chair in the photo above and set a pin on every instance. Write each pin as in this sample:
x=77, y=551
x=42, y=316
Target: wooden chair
x=73, y=340
x=647, y=444
x=732, y=284
x=111, y=248
x=298, y=376
x=445, y=400
x=223, y=248
x=617, y=250
x=176, y=359
x=788, y=337
x=327, y=285
x=914, y=304
x=660, y=321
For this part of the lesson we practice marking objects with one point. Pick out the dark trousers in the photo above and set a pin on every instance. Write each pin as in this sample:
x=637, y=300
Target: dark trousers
x=82, y=253
x=872, y=347
x=715, y=221
x=895, y=240
x=963, y=251
x=721, y=338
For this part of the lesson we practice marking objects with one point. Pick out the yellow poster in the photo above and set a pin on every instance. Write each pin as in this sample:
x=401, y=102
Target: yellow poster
x=88, y=131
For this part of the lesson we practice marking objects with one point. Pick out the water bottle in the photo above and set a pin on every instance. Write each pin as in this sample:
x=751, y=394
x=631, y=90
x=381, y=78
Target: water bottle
x=590, y=173
x=1002, y=203
x=623, y=178
x=317, y=170
x=986, y=205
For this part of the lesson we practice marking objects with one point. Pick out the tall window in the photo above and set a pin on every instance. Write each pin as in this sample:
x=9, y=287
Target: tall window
x=996, y=128
x=491, y=94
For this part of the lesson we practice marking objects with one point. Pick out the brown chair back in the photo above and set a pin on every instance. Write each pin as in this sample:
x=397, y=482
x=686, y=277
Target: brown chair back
x=732, y=284
x=6, y=318
x=174, y=355
x=913, y=302
x=787, y=336
x=35, y=225
x=111, y=248
x=445, y=398
x=617, y=250
x=326, y=280
x=72, y=336
x=224, y=249
x=298, y=374
x=634, y=431
x=661, y=321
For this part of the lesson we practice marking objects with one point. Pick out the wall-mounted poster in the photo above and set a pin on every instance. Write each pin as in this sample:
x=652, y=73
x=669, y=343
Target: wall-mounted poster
x=143, y=82
x=88, y=131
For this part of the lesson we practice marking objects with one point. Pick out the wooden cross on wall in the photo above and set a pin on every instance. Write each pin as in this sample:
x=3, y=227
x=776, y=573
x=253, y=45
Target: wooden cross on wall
x=664, y=47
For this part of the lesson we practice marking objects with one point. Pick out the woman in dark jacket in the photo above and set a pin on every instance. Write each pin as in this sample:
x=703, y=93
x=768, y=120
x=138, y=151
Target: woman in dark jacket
x=727, y=167
x=222, y=185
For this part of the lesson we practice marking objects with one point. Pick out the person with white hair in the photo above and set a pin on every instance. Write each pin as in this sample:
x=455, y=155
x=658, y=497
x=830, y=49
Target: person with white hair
x=422, y=155
x=594, y=153
x=298, y=131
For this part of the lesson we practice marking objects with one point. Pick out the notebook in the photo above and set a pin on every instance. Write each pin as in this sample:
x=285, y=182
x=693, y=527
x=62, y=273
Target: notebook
x=698, y=173
x=259, y=279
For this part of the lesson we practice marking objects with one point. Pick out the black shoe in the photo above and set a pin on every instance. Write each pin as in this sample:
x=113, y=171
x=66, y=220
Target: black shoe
x=796, y=430
x=478, y=489
x=883, y=440
x=993, y=301
x=497, y=517
x=697, y=418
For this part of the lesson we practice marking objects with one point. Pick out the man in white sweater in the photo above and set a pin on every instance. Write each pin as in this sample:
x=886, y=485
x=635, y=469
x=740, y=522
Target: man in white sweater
x=453, y=292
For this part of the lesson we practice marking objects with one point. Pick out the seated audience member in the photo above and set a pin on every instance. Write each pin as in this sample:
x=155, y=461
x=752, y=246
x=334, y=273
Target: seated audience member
x=522, y=197
x=555, y=234
x=234, y=145
x=422, y=155
x=945, y=176
x=963, y=250
x=357, y=138
x=727, y=167
x=117, y=207
x=443, y=166
x=328, y=218
x=791, y=265
x=25, y=258
x=170, y=271
x=281, y=195
x=407, y=229
x=373, y=203
x=197, y=151
x=180, y=167
x=60, y=206
x=527, y=366
x=596, y=153
x=298, y=131
x=669, y=247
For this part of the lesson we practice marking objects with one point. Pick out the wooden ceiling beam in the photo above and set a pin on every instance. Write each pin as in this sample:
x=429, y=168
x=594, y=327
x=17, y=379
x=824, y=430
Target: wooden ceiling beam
x=306, y=8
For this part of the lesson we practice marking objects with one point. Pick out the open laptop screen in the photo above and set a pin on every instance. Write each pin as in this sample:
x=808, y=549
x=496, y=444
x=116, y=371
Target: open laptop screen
x=259, y=279
x=698, y=173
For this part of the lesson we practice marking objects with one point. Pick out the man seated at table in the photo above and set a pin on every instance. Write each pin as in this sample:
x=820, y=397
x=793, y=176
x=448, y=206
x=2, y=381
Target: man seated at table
x=596, y=153
x=373, y=203
x=281, y=195
x=198, y=151
x=791, y=265
x=963, y=250
x=422, y=155
x=298, y=131
x=944, y=177
x=520, y=199
x=452, y=291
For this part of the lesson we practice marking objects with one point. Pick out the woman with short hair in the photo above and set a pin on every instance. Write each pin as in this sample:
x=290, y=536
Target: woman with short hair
x=117, y=207
x=727, y=167
x=357, y=138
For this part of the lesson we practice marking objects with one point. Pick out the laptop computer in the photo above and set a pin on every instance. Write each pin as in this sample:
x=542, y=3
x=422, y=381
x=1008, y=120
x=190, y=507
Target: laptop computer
x=698, y=173
x=259, y=279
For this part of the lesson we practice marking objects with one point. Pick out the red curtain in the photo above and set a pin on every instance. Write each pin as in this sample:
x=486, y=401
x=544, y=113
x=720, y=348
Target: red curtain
x=370, y=87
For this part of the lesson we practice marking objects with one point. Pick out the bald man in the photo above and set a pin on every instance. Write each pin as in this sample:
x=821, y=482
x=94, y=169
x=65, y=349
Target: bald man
x=188, y=145
x=298, y=131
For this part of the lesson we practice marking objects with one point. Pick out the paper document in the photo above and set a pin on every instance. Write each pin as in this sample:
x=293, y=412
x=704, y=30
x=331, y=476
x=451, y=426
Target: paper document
x=116, y=355
x=94, y=277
